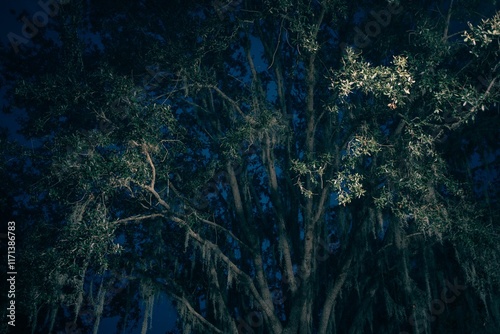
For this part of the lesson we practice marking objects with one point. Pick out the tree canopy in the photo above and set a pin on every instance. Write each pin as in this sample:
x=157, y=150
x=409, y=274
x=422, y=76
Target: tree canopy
x=280, y=166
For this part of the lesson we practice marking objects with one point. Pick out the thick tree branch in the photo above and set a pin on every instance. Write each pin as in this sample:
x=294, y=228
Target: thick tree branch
x=192, y=311
x=276, y=200
x=331, y=295
x=210, y=246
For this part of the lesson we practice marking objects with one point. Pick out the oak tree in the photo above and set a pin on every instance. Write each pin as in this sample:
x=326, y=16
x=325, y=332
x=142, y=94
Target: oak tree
x=281, y=166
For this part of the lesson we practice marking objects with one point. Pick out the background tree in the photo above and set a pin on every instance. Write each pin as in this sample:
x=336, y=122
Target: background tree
x=266, y=164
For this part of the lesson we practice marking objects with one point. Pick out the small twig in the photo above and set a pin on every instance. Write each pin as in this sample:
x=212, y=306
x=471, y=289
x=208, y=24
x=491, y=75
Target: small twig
x=136, y=218
x=448, y=18
x=277, y=45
